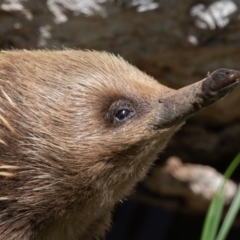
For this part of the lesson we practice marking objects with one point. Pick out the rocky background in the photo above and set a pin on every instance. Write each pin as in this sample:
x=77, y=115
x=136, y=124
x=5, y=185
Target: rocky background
x=177, y=42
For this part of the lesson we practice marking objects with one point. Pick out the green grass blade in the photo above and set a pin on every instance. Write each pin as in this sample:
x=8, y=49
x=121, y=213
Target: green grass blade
x=236, y=161
x=213, y=217
x=215, y=210
x=232, y=212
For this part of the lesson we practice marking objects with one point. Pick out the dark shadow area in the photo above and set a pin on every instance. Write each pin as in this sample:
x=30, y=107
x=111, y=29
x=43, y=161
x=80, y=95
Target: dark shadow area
x=136, y=221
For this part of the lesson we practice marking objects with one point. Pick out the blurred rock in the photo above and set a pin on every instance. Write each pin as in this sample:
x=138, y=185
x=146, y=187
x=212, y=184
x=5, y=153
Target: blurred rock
x=196, y=143
x=194, y=184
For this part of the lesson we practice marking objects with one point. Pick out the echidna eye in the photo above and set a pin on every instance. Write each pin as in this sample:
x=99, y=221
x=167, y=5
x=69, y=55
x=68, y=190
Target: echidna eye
x=123, y=114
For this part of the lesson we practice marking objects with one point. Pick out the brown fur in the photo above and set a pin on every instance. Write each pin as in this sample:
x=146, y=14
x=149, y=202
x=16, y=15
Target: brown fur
x=63, y=162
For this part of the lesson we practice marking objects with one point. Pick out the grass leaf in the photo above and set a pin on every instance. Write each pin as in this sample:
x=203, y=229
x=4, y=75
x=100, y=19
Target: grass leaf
x=213, y=217
x=215, y=210
x=231, y=168
x=232, y=212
